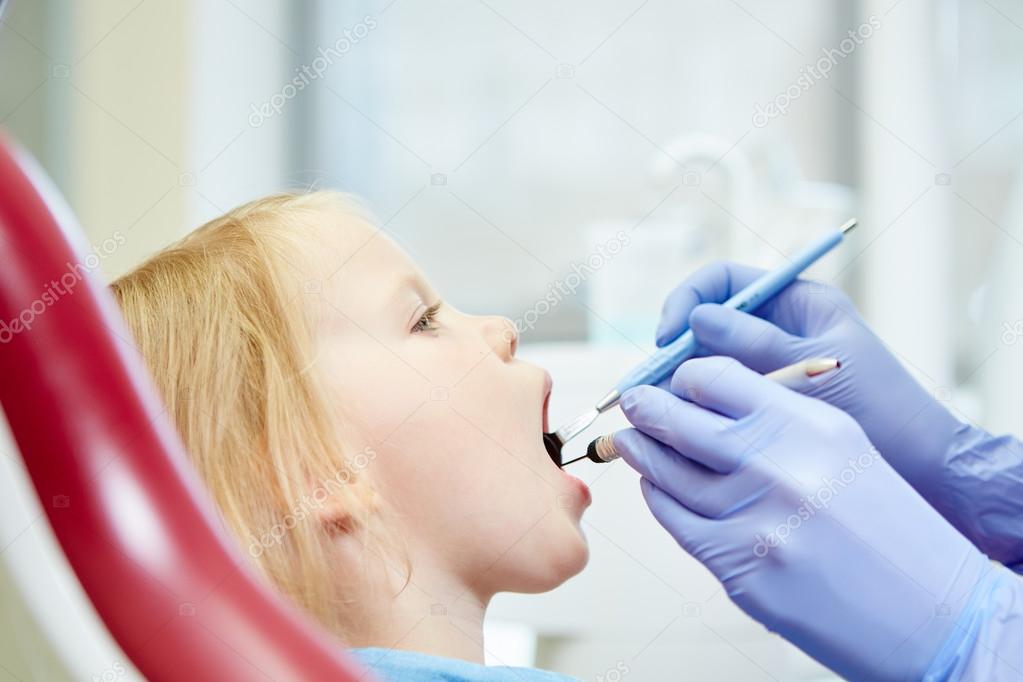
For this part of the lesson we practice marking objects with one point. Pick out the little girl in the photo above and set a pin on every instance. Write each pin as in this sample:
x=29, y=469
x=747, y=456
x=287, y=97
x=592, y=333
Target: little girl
x=376, y=453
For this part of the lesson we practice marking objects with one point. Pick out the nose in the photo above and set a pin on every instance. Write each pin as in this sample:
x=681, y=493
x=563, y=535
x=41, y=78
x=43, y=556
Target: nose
x=501, y=335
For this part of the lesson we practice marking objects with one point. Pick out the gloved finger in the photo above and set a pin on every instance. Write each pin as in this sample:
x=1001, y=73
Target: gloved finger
x=690, y=530
x=664, y=384
x=689, y=482
x=699, y=434
x=713, y=283
x=725, y=386
x=754, y=342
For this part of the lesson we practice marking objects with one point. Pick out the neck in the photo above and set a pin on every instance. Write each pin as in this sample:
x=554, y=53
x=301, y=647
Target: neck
x=432, y=614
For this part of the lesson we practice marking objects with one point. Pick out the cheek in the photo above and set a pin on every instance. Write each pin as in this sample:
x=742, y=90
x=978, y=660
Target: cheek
x=449, y=479
x=443, y=464
x=378, y=395
x=380, y=389
x=501, y=403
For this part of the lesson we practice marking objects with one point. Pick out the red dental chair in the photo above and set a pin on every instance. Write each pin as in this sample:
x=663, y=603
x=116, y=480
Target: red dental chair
x=125, y=505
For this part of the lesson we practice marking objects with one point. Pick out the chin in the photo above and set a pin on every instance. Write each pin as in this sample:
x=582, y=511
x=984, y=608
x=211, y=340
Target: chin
x=573, y=557
x=564, y=558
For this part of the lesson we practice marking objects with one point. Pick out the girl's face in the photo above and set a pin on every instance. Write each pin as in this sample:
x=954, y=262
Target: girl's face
x=453, y=423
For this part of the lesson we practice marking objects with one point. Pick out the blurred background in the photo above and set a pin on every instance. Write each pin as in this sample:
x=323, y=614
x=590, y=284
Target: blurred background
x=563, y=164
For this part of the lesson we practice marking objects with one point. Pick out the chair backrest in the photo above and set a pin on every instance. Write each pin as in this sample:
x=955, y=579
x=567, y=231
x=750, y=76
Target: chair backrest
x=49, y=630
x=124, y=502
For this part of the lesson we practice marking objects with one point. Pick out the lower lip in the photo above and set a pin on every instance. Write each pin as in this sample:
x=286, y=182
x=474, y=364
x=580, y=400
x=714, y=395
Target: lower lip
x=581, y=488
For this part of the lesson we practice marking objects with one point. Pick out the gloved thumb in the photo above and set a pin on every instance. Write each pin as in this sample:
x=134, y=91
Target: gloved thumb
x=753, y=341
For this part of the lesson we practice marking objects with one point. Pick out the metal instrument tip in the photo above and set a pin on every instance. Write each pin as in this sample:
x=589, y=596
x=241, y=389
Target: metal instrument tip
x=553, y=442
x=848, y=226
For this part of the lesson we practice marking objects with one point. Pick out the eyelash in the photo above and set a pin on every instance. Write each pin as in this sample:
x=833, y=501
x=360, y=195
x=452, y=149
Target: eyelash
x=425, y=322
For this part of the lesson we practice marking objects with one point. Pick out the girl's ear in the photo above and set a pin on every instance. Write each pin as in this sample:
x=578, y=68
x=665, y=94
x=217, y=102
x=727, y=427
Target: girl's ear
x=341, y=514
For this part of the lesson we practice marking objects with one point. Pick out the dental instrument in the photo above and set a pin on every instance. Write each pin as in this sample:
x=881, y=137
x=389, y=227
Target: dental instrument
x=662, y=363
x=602, y=448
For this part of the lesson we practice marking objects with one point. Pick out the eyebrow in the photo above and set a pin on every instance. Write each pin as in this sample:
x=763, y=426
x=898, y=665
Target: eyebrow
x=404, y=284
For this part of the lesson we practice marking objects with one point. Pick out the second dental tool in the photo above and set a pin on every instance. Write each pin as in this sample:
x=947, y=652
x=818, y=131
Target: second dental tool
x=797, y=377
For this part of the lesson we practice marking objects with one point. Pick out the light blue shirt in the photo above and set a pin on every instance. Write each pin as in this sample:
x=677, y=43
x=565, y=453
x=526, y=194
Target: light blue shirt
x=410, y=666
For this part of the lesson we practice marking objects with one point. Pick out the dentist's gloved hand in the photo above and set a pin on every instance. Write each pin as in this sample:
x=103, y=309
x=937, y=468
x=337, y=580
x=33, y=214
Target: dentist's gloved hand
x=972, y=478
x=810, y=531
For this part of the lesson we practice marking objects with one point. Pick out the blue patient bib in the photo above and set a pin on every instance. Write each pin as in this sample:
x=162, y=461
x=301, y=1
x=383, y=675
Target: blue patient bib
x=410, y=666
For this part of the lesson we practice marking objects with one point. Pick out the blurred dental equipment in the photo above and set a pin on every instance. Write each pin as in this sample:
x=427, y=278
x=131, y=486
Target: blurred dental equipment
x=682, y=232
x=795, y=377
x=704, y=197
x=1000, y=316
x=663, y=362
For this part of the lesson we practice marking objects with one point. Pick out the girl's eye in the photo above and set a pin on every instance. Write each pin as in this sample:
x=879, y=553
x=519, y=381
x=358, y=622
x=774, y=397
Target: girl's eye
x=426, y=322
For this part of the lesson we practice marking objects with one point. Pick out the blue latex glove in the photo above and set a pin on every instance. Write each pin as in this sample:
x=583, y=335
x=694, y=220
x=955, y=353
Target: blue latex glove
x=972, y=478
x=810, y=531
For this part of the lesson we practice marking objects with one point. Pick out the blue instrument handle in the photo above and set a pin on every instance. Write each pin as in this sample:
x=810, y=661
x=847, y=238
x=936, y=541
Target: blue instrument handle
x=666, y=360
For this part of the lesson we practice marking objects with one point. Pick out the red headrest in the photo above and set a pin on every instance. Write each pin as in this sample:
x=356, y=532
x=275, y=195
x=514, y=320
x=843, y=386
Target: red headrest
x=127, y=507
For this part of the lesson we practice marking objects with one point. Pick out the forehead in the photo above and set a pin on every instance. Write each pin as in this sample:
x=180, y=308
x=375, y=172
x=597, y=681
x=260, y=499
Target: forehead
x=330, y=236
x=369, y=258
x=362, y=267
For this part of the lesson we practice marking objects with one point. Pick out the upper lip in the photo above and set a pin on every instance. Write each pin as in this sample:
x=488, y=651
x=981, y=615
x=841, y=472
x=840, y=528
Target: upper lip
x=547, y=384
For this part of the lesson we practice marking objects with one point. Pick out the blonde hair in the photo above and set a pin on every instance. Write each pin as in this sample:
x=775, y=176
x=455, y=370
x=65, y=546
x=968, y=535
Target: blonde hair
x=215, y=319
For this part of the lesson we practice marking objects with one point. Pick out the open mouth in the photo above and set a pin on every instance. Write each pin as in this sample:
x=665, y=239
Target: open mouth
x=554, y=452
x=551, y=443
